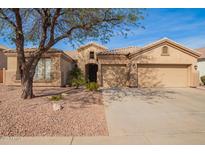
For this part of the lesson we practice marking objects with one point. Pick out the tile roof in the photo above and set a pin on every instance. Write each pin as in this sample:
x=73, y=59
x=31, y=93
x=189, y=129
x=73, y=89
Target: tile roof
x=72, y=54
x=121, y=51
x=30, y=50
x=126, y=50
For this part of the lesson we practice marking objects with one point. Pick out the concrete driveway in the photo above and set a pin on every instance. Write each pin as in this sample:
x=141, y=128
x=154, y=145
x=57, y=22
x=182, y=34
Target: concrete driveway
x=156, y=116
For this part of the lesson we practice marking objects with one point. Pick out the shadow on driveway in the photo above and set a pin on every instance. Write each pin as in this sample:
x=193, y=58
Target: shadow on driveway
x=117, y=94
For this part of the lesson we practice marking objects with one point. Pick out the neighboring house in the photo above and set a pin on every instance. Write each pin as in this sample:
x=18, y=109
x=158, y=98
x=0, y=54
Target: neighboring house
x=201, y=61
x=2, y=62
x=163, y=63
x=52, y=69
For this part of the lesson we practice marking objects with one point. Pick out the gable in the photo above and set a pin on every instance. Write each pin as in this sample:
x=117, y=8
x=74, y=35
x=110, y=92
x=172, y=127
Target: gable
x=166, y=42
x=156, y=54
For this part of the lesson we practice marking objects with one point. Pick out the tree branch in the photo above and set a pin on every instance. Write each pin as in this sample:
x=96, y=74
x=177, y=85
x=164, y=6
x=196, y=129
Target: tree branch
x=86, y=26
x=6, y=18
x=53, y=23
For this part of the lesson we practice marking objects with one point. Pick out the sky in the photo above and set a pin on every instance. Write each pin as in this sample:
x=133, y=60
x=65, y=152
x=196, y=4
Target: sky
x=185, y=26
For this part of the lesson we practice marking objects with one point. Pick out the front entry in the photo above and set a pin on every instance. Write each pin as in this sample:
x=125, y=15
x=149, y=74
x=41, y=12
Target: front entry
x=91, y=72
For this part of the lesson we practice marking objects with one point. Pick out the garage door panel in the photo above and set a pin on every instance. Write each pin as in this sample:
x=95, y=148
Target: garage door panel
x=162, y=75
x=114, y=75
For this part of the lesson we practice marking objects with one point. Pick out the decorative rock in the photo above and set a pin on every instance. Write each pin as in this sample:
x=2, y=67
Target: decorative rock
x=49, y=97
x=64, y=94
x=57, y=106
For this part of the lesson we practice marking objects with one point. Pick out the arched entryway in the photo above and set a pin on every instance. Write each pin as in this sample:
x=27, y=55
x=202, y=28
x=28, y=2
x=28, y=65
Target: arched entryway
x=91, y=72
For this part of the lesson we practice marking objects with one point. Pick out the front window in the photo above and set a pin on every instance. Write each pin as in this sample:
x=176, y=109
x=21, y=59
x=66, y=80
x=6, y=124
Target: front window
x=43, y=69
x=92, y=56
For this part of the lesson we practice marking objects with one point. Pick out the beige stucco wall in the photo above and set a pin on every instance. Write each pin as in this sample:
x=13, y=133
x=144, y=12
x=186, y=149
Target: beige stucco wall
x=58, y=71
x=66, y=67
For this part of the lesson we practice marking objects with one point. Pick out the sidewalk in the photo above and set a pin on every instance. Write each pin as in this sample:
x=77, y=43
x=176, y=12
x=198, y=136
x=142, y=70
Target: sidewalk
x=74, y=140
x=181, y=139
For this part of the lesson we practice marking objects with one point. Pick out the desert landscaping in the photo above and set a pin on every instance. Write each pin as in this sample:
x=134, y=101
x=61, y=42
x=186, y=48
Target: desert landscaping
x=82, y=113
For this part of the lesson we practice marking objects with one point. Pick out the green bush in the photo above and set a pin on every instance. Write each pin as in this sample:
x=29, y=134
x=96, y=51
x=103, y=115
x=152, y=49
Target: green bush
x=203, y=79
x=56, y=97
x=92, y=86
x=76, y=78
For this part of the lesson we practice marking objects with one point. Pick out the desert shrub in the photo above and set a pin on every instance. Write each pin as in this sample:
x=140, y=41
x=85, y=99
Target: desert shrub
x=92, y=86
x=56, y=97
x=203, y=79
x=76, y=78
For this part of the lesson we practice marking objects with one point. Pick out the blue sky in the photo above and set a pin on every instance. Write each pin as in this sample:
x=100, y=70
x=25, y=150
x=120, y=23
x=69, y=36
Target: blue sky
x=185, y=26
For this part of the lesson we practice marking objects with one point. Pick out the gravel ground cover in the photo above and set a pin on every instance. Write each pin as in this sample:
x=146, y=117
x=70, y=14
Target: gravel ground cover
x=82, y=113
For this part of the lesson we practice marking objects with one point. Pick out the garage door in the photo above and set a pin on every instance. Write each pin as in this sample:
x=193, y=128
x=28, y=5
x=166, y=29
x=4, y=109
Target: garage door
x=152, y=75
x=114, y=75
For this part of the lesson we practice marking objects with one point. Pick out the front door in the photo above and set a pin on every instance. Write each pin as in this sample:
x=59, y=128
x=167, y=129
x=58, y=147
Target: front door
x=92, y=72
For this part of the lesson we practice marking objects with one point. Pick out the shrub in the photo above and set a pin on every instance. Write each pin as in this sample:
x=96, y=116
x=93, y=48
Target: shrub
x=76, y=77
x=203, y=79
x=56, y=97
x=92, y=86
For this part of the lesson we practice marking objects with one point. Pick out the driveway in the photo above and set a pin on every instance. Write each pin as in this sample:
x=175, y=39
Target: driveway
x=156, y=116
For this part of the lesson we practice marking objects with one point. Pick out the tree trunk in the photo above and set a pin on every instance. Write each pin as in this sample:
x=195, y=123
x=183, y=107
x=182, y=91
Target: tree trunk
x=27, y=87
x=27, y=75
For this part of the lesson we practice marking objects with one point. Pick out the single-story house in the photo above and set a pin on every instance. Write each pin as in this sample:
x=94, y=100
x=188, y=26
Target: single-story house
x=201, y=62
x=163, y=63
x=52, y=69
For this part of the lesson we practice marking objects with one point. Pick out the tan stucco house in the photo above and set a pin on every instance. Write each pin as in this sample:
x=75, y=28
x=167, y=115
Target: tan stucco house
x=163, y=63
